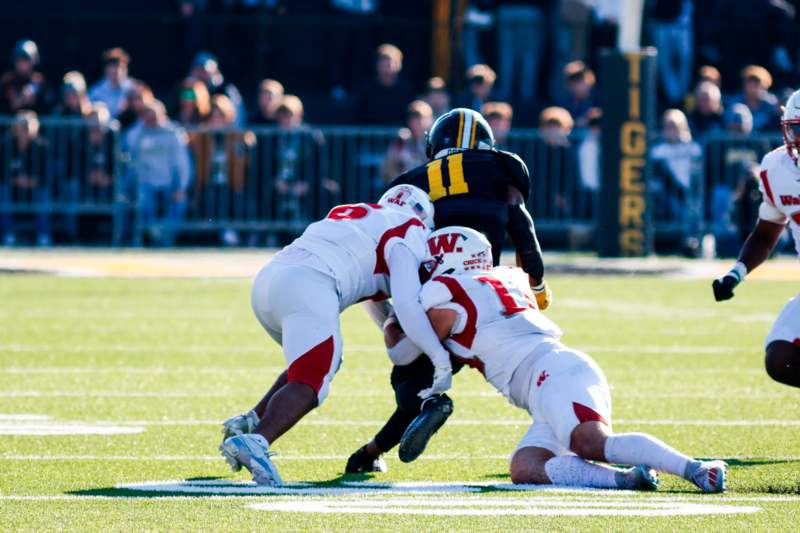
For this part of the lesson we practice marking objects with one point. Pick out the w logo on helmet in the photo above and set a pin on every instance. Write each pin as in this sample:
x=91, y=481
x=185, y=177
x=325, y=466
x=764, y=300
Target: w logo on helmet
x=444, y=244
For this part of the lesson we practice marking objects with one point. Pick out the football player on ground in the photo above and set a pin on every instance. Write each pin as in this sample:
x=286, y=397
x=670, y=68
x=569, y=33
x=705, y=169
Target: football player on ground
x=780, y=205
x=471, y=184
x=359, y=252
x=488, y=318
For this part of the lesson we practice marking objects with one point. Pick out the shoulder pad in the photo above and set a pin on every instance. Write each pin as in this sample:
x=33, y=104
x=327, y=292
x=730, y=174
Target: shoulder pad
x=516, y=169
x=434, y=293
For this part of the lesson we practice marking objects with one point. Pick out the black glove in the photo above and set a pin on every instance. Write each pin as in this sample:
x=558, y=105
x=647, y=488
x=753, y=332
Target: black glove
x=723, y=287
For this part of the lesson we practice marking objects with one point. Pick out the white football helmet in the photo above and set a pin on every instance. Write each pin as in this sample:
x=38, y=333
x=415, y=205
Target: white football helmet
x=410, y=199
x=457, y=249
x=790, y=125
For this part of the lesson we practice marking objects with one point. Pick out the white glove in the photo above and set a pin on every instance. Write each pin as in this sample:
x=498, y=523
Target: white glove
x=237, y=425
x=442, y=381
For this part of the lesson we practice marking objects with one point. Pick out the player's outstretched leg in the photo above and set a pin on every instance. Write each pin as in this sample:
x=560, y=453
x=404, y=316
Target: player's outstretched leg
x=534, y=465
x=594, y=441
x=783, y=362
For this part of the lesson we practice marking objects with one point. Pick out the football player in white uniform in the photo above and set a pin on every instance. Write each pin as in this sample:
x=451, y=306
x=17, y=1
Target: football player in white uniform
x=489, y=320
x=780, y=205
x=359, y=252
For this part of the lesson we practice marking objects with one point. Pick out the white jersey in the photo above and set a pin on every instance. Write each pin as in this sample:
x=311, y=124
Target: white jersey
x=780, y=191
x=354, y=242
x=498, y=328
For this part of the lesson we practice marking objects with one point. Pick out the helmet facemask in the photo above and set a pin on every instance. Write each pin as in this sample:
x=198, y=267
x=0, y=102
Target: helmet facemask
x=791, y=138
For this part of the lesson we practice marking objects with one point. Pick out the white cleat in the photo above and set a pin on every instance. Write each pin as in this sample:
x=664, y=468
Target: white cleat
x=240, y=424
x=710, y=476
x=251, y=451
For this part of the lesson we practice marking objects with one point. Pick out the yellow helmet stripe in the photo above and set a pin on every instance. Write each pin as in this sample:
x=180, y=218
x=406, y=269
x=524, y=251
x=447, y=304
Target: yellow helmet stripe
x=460, y=127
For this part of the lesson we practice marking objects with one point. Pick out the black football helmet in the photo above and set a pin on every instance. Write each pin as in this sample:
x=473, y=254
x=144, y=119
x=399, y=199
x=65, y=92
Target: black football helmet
x=459, y=128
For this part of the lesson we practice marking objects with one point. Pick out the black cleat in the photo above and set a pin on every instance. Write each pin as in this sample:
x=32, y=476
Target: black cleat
x=434, y=413
x=361, y=462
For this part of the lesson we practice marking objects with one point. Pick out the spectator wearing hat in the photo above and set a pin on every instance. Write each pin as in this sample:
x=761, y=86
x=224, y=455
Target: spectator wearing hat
x=160, y=170
x=205, y=68
x=437, y=96
x=480, y=84
x=382, y=100
x=25, y=179
x=23, y=87
x=407, y=150
x=74, y=100
x=113, y=88
x=194, y=103
x=763, y=105
x=739, y=120
x=580, y=98
x=499, y=116
x=270, y=95
x=707, y=116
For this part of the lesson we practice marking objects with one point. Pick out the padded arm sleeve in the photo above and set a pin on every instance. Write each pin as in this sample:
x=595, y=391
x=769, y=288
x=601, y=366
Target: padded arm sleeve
x=523, y=234
x=405, y=286
x=404, y=352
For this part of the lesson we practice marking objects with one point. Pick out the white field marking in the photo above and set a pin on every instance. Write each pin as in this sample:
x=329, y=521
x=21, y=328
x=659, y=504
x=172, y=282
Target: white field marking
x=22, y=417
x=504, y=507
x=380, y=393
x=41, y=425
x=267, y=349
x=453, y=422
x=301, y=457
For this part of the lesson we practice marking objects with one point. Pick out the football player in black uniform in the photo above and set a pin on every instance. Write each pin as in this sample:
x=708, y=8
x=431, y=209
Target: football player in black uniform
x=471, y=184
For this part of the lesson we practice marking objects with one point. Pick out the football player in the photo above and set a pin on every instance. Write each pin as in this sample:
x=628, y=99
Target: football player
x=359, y=252
x=489, y=320
x=780, y=205
x=471, y=184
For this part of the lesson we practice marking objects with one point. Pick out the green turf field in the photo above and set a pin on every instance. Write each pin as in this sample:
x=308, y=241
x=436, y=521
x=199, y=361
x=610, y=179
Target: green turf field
x=158, y=363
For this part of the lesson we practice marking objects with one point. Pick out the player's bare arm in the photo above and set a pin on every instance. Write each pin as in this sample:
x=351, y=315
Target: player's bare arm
x=756, y=249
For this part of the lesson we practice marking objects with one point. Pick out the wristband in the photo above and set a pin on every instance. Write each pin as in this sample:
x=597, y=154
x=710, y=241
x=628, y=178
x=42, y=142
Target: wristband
x=538, y=288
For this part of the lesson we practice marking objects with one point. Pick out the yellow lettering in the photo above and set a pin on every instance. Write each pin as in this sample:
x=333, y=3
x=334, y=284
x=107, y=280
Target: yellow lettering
x=634, y=67
x=631, y=211
x=631, y=242
x=455, y=169
x=436, y=188
x=633, y=138
x=634, y=103
x=630, y=174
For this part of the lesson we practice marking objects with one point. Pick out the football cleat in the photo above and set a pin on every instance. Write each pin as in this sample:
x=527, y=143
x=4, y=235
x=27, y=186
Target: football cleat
x=251, y=451
x=640, y=477
x=709, y=476
x=434, y=413
x=361, y=462
x=240, y=424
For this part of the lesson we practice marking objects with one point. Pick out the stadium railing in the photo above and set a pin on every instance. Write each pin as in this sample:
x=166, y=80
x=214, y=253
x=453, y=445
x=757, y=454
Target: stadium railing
x=268, y=181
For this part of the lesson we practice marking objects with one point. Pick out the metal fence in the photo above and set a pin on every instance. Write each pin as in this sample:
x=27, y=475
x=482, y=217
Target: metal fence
x=85, y=182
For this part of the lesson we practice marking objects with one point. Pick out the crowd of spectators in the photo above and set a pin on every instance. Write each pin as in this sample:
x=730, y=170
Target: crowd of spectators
x=191, y=148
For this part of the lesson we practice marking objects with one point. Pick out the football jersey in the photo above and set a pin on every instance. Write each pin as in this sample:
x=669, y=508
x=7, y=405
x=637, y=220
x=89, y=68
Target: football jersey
x=498, y=325
x=354, y=241
x=780, y=190
x=470, y=188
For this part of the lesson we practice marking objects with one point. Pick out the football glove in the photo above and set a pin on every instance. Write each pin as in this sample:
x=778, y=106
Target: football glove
x=442, y=380
x=543, y=295
x=237, y=425
x=723, y=287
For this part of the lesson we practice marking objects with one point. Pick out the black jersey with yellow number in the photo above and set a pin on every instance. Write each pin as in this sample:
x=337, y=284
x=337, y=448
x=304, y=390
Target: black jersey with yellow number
x=470, y=188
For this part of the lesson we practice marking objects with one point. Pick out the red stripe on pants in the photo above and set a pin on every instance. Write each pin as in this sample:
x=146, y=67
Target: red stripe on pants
x=587, y=414
x=312, y=367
